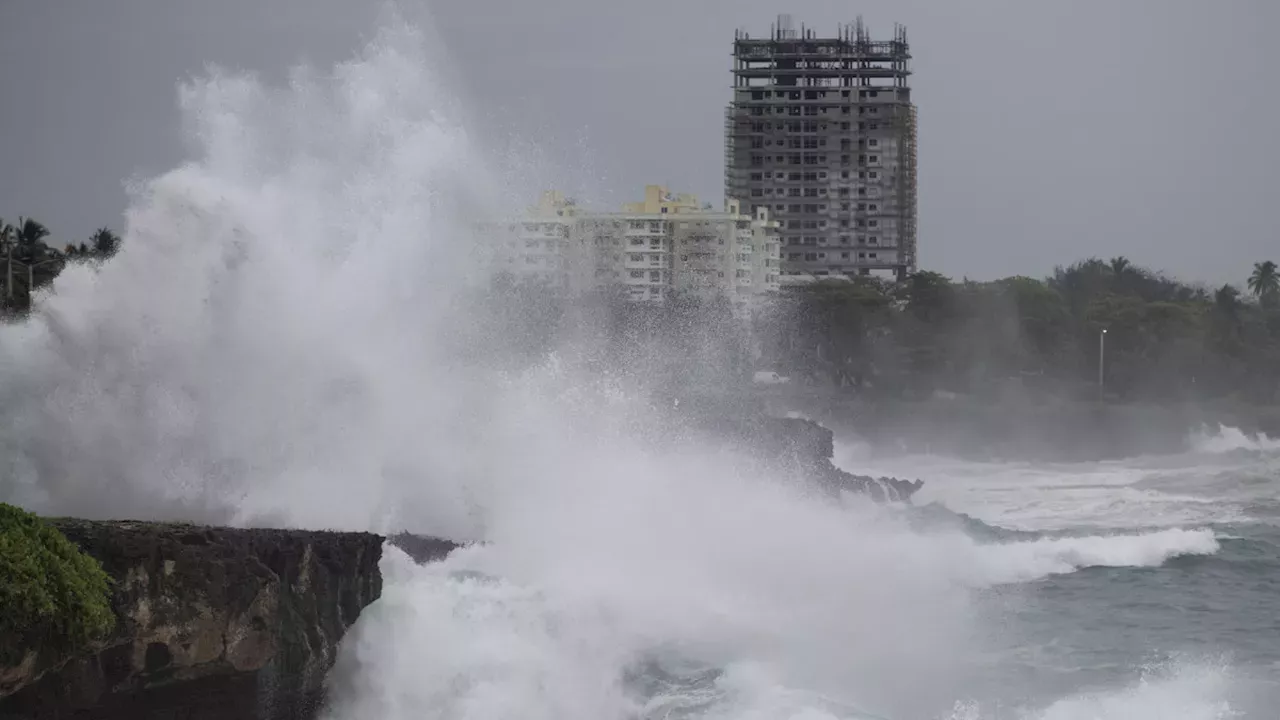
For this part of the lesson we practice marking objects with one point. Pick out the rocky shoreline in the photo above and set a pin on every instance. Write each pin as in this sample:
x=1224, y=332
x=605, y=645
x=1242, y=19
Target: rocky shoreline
x=211, y=623
x=788, y=444
x=215, y=623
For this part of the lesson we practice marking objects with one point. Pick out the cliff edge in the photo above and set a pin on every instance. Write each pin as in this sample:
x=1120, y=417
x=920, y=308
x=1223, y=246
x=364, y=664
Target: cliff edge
x=210, y=623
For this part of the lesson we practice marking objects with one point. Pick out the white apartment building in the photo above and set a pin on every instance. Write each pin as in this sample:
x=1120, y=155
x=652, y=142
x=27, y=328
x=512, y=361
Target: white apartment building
x=665, y=243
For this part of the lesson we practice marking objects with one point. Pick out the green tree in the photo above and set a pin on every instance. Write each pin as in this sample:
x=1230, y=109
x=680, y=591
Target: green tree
x=1264, y=283
x=105, y=243
x=53, y=595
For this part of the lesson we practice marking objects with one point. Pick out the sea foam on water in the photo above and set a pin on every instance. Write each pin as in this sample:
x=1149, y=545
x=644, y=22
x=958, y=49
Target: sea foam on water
x=285, y=338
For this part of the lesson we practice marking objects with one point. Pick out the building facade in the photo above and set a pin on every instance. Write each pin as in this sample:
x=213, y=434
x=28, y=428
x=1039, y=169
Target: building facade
x=663, y=244
x=821, y=131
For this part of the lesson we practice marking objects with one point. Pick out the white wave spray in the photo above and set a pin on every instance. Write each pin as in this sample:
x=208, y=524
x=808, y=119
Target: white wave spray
x=289, y=337
x=1227, y=439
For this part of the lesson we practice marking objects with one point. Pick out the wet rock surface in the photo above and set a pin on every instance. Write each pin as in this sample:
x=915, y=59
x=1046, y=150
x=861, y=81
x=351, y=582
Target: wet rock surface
x=789, y=443
x=212, y=623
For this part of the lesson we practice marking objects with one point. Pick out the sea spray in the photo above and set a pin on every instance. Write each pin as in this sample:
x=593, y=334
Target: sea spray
x=288, y=336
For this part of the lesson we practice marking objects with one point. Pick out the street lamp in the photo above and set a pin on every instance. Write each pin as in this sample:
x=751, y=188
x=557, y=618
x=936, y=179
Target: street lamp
x=1102, y=352
x=31, y=273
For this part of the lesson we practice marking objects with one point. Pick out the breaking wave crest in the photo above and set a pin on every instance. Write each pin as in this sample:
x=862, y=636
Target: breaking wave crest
x=1228, y=439
x=289, y=336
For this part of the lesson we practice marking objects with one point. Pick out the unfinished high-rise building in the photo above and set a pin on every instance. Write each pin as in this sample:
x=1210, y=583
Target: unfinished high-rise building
x=822, y=131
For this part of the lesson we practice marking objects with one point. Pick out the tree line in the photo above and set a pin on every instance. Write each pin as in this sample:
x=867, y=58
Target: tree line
x=1094, y=326
x=28, y=262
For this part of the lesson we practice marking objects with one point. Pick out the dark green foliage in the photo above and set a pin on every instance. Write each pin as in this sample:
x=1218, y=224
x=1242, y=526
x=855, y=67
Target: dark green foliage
x=52, y=594
x=1165, y=339
x=29, y=263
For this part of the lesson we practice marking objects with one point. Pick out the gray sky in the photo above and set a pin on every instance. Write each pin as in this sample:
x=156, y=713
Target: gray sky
x=1049, y=131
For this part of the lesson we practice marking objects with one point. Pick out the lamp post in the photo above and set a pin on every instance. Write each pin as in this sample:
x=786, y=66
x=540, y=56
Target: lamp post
x=31, y=273
x=1102, y=353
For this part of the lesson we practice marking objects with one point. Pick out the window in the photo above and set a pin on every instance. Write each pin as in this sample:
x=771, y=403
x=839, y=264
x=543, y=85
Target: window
x=637, y=274
x=875, y=158
x=655, y=275
x=873, y=142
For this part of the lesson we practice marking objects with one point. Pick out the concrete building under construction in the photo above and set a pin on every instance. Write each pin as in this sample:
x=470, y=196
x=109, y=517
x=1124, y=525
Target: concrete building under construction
x=822, y=132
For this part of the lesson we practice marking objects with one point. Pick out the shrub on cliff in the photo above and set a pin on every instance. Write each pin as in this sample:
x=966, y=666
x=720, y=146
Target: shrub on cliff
x=51, y=593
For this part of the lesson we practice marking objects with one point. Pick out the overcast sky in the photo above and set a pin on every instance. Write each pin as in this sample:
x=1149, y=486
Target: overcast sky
x=1049, y=131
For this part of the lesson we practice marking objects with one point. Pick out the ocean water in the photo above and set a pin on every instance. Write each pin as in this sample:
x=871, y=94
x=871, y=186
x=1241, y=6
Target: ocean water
x=1132, y=590
x=289, y=337
x=1172, y=610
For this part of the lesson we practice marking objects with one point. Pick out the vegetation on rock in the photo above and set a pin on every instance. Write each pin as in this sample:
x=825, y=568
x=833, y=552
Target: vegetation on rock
x=51, y=592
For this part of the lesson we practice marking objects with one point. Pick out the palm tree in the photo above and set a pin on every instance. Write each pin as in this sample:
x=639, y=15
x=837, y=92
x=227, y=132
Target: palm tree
x=1264, y=283
x=105, y=243
x=29, y=235
x=1121, y=272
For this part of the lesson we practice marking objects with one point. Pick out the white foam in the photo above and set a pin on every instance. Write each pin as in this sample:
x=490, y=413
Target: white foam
x=1230, y=439
x=282, y=339
x=1106, y=496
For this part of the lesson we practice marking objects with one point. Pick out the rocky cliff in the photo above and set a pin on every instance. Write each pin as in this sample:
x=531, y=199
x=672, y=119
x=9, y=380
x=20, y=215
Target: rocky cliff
x=211, y=623
x=788, y=442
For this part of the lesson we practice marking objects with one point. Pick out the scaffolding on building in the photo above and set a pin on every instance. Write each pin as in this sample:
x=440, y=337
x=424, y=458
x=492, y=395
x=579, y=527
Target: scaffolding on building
x=804, y=130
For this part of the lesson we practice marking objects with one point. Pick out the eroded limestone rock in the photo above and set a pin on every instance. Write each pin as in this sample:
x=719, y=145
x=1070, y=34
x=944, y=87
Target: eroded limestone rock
x=213, y=623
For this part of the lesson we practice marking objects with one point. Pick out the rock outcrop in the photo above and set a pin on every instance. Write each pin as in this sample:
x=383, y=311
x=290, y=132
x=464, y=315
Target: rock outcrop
x=812, y=447
x=211, y=623
x=789, y=442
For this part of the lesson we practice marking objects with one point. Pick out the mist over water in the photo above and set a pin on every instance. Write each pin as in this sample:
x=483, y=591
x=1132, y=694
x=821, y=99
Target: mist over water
x=291, y=336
